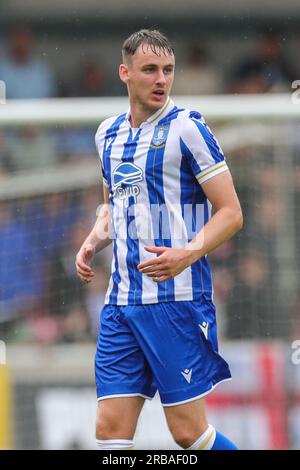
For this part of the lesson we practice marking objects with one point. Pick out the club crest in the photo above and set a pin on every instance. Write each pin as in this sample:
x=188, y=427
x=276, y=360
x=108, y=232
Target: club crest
x=160, y=136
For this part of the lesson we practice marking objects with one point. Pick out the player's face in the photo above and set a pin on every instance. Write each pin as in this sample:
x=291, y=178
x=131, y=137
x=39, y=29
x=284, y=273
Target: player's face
x=149, y=77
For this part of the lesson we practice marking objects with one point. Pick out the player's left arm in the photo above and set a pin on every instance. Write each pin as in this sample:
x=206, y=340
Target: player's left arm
x=226, y=221
x=227, y=218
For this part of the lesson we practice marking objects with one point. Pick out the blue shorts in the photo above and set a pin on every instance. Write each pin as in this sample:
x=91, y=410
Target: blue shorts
x=169, y=346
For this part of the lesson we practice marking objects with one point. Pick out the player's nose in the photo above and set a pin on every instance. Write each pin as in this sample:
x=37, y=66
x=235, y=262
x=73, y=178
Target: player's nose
x=160, y=78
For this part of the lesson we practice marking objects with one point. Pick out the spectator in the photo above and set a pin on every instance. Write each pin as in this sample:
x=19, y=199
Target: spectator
x=198, y=76
x=25, y=75
x=267, y=71
x=91, y=81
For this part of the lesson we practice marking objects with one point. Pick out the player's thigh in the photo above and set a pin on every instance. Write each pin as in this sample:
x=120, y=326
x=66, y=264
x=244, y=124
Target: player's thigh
x=117, y=417
x=187, y=418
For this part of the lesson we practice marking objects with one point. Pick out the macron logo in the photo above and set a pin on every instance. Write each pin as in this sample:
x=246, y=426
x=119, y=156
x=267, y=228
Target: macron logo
x=204, y=328
x=108, y=142
x=187, y=374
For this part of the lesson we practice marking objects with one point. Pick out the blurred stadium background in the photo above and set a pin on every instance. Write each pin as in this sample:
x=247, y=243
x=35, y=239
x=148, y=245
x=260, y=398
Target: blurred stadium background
x=236, y=64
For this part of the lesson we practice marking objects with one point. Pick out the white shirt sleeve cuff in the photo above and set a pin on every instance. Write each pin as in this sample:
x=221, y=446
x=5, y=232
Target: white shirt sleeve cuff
x=212, y=171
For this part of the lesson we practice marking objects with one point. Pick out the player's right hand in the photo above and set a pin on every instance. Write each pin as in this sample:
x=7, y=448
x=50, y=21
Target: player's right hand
x=83, y=262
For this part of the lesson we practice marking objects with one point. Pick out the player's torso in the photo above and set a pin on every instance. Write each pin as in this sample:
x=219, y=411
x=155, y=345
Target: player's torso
x=146, y=165
x=153, y=194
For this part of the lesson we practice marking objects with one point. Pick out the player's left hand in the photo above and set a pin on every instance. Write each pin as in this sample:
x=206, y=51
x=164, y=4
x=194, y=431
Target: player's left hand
x=169, y=263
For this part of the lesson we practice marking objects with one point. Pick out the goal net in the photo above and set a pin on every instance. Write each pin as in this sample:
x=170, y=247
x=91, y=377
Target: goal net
x=50, y=188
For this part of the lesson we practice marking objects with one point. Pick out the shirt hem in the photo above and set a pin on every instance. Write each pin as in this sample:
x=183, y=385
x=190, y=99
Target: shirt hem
x=183, y=295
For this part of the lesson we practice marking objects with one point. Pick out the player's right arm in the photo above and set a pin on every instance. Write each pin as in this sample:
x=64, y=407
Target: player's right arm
x=98, y=239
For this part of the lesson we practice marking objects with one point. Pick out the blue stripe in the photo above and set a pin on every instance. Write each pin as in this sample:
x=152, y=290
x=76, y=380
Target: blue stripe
x=210, y=141
x=155, y=195
x=133, y=255
x=193, y=162
x=201, y=271
x=112, y=133
x=198, y=280
x=206, y=270
x=170, y=116
x=188, y=191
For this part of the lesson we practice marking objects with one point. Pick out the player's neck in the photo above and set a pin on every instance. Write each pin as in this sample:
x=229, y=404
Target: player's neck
x=139, y=114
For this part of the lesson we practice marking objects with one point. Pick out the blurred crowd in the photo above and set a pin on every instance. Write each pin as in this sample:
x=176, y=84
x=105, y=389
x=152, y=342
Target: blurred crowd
x=28, y=75
x=41, y=297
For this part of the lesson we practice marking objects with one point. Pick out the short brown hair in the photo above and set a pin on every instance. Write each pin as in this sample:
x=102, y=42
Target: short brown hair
x=153, y=38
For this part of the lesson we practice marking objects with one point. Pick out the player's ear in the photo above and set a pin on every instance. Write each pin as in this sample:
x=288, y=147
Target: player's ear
x=123, y=73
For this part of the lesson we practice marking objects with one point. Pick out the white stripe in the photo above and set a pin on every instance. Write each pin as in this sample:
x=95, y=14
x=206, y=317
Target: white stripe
x=100, y=139
x=110, y=285
x=124, y=395
x=119, y=221
x=100, y=135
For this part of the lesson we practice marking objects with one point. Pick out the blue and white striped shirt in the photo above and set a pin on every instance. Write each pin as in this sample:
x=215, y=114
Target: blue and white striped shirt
x=154, y=176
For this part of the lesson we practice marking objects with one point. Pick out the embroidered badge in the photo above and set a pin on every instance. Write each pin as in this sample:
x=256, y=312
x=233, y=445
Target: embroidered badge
x=160, y=136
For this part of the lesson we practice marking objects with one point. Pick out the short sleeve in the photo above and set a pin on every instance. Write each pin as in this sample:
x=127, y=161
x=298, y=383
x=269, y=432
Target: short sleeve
x=99, y=141
x=201, y=148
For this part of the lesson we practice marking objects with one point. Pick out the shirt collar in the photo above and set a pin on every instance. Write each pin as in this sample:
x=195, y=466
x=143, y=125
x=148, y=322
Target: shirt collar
x=160, y=114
